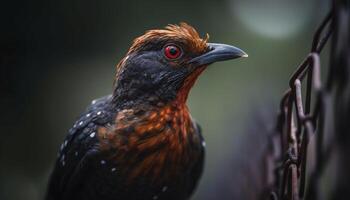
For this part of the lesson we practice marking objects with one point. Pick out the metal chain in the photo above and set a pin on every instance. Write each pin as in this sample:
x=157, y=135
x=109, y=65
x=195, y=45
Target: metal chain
x=300, y=117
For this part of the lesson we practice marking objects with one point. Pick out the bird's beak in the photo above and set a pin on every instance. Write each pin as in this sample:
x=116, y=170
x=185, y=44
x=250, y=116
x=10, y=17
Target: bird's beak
x=218, y=52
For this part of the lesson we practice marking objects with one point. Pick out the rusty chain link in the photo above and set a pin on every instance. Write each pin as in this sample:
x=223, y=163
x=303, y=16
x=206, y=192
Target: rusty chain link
x=300, y=117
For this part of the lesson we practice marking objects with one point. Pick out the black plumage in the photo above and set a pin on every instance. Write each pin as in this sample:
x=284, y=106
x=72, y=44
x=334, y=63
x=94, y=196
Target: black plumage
x=141, y=142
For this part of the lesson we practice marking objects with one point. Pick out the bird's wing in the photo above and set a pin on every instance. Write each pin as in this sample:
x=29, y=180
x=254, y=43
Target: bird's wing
x=78, y=148
x=197, y=171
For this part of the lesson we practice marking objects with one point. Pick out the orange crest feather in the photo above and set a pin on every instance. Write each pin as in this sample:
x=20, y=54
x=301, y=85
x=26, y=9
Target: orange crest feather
x=182, y=32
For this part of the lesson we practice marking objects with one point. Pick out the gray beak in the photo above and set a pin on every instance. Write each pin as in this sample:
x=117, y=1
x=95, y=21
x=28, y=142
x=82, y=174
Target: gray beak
x=218, y=52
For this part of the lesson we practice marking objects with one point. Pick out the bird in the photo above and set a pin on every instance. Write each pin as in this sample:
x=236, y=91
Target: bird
x=141, y=141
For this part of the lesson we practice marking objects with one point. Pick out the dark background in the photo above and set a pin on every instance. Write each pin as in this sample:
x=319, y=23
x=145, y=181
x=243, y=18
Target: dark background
x=57, y=56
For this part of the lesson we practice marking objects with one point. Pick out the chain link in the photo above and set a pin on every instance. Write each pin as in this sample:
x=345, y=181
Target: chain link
x=300, y=117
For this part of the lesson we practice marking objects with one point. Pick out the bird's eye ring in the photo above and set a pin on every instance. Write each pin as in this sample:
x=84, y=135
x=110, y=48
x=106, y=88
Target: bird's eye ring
x=172, y=51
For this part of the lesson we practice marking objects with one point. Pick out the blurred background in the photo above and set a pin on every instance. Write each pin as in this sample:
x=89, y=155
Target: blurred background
x=57, y=56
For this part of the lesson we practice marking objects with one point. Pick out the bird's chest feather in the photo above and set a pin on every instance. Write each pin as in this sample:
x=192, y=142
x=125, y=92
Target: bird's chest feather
x=158, y=145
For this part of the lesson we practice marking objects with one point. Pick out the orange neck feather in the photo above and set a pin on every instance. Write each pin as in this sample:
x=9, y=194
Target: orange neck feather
x=182, y=94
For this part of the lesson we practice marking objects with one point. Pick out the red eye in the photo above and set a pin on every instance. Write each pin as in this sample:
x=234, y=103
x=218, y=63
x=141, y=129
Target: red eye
x=172, y=52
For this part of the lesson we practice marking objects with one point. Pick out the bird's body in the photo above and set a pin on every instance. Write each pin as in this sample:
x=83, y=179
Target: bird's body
x=140, y=142
x=120, y=154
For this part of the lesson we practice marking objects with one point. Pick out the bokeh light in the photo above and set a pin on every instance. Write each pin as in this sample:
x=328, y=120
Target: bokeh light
x=278, y=19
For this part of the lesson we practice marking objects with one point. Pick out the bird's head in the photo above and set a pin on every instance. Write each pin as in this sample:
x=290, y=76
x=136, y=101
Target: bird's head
x=162, y=65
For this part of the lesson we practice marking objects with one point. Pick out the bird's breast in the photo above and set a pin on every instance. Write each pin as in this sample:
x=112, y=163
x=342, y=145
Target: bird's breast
x=157, y=144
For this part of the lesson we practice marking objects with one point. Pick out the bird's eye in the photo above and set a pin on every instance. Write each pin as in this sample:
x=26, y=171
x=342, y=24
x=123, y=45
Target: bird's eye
x=172, y=52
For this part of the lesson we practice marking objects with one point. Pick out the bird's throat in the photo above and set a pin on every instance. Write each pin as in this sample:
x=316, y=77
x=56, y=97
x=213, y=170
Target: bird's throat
x=183, y=92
